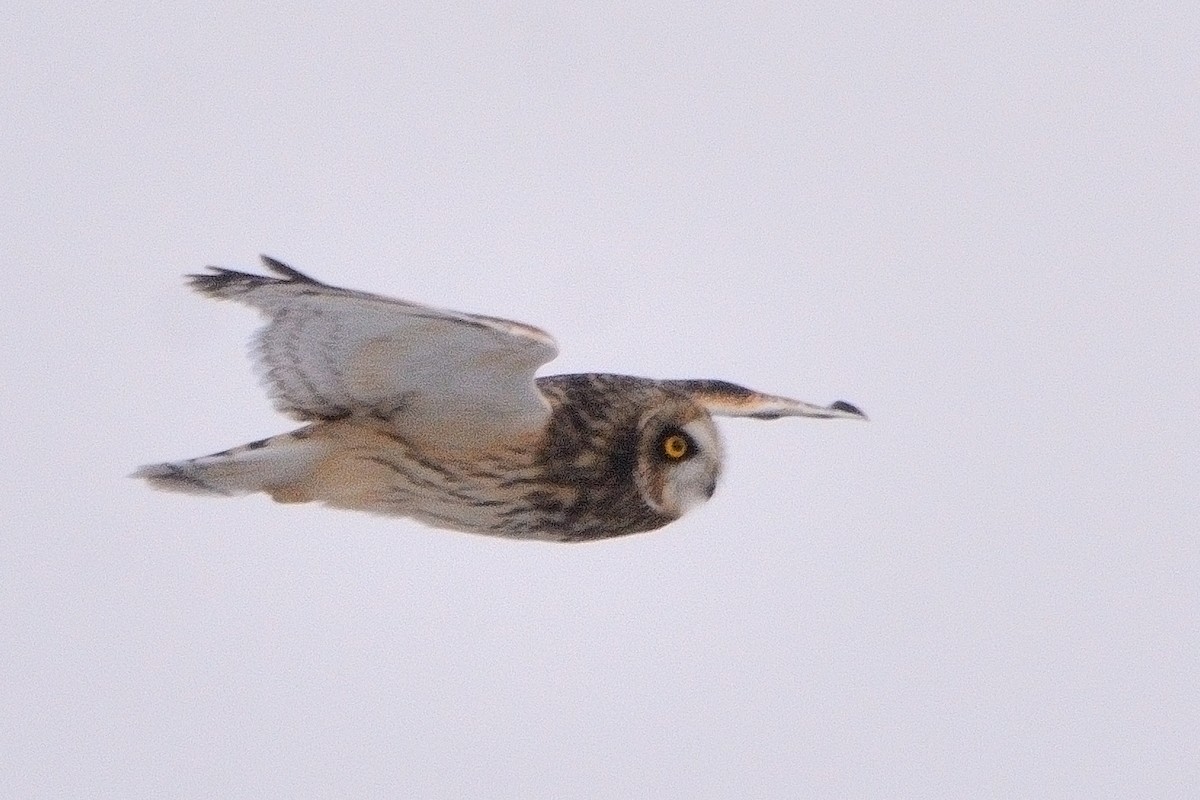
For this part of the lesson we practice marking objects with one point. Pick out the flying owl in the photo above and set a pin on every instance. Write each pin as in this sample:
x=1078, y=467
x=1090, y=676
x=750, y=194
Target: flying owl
x=436, y=415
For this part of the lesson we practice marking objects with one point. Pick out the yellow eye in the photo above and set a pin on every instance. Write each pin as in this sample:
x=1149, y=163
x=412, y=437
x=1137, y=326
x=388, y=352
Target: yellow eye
x=675, y=446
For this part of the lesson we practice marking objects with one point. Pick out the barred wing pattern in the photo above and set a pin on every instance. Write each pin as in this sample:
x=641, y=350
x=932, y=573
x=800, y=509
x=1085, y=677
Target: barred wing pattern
x=442, y=378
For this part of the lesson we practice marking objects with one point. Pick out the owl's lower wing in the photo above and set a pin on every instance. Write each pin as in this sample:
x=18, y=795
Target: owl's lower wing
x=722, y=398
x=440, y=377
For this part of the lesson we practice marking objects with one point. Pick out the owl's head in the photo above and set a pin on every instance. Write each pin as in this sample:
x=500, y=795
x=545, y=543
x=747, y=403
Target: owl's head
x=678, y=459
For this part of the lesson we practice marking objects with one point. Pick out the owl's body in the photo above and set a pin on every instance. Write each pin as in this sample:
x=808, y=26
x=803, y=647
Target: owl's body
x=436, y=416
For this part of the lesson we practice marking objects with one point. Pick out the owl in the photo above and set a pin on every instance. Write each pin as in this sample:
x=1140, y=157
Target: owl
x=436, y=416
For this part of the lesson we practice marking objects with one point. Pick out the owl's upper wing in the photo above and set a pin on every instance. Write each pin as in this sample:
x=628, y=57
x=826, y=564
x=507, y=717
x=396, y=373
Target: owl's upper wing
x=439, y=376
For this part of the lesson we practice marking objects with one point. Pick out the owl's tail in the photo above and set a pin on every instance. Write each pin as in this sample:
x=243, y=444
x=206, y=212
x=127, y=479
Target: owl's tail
x=268, y=465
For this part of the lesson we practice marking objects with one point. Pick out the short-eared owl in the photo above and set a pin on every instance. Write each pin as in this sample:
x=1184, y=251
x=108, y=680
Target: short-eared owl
x=436, y=415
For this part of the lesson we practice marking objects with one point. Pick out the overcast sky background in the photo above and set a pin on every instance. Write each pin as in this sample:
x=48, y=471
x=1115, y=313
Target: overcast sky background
x=980, y=224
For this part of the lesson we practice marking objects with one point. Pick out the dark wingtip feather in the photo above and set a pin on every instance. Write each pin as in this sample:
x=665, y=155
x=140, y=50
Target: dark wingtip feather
x=220, y=282
x=223, y=283
x=849, y=408
x=280, y=268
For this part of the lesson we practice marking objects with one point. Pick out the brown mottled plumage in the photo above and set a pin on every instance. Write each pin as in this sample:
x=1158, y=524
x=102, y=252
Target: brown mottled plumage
x=436, y=415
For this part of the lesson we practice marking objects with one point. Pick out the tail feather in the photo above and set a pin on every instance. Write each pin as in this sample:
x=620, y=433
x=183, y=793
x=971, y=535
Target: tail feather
x=258, y=466
x=180, y=476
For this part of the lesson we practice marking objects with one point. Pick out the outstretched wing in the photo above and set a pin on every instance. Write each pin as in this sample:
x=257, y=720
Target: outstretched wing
x=726, y=399
x=440, y=377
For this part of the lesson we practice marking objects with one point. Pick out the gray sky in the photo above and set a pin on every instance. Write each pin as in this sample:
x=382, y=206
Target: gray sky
x=981, y=225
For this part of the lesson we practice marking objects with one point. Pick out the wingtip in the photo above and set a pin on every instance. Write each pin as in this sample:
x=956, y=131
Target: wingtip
x=215, y=282
x=848, y=408
x=223, y=283
x=280, y=268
